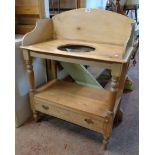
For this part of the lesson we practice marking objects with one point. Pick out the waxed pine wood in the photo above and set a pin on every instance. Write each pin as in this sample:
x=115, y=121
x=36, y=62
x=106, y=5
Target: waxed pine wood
x=74, y=96
x=108, y=52
x=111, y=36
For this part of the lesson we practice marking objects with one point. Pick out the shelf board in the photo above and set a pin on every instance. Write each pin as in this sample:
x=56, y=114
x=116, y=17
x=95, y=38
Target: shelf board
x=27, y=10
x=78, y=98
x=23, y=29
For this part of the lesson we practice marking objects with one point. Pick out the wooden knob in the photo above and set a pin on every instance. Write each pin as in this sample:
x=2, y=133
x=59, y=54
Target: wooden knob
x=89, y=121
x=45, y=107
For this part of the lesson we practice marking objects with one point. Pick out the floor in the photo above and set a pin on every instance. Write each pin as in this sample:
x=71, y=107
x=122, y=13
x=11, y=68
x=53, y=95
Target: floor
x=53, y=136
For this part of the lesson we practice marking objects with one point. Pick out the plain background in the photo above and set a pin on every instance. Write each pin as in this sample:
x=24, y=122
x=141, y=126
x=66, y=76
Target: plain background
x=147, y=77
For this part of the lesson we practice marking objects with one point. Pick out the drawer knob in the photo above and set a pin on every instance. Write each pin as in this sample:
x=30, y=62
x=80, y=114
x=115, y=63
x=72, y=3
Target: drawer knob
x=45, y=107
x=89, y=121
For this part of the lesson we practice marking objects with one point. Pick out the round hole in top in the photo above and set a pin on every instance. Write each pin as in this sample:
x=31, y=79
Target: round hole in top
x=76, y=48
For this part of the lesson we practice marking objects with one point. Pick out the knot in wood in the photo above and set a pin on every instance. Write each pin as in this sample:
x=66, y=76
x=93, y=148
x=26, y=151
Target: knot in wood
x=78, y=28
x=106, y=121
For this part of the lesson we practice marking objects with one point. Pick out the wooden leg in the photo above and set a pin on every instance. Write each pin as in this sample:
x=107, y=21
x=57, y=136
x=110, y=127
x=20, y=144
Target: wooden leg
x=35, y=116
x=105, y=142
x=107, y=132
x=32, y=86
x=54, y=69
x=31, y=80
x=48, y=70
x=108, y=124
x=51, y=68
x=119, y=115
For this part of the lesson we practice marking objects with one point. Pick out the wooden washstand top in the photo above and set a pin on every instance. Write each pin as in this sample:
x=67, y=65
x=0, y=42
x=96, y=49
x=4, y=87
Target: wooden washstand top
x=102, y=52
x=108, y=32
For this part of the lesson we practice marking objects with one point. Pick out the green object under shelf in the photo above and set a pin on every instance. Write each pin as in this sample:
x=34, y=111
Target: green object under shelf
x=80, y=74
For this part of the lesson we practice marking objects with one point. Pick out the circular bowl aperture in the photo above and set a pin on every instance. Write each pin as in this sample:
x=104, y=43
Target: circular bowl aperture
x=76, y=48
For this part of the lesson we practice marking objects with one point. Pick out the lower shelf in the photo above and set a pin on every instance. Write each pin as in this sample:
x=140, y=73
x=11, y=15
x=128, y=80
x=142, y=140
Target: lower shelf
x=85, y=106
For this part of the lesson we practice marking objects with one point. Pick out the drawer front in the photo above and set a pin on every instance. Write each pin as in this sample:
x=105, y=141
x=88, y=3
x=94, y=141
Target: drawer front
x=70, y=115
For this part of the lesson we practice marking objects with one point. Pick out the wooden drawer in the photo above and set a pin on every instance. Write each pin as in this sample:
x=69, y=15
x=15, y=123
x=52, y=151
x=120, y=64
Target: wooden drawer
x=70, y=115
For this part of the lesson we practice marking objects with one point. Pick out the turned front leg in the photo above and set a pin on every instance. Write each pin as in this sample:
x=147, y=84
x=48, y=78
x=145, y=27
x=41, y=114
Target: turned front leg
x=119, y=114
x=30, y=73
x=108, y=124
